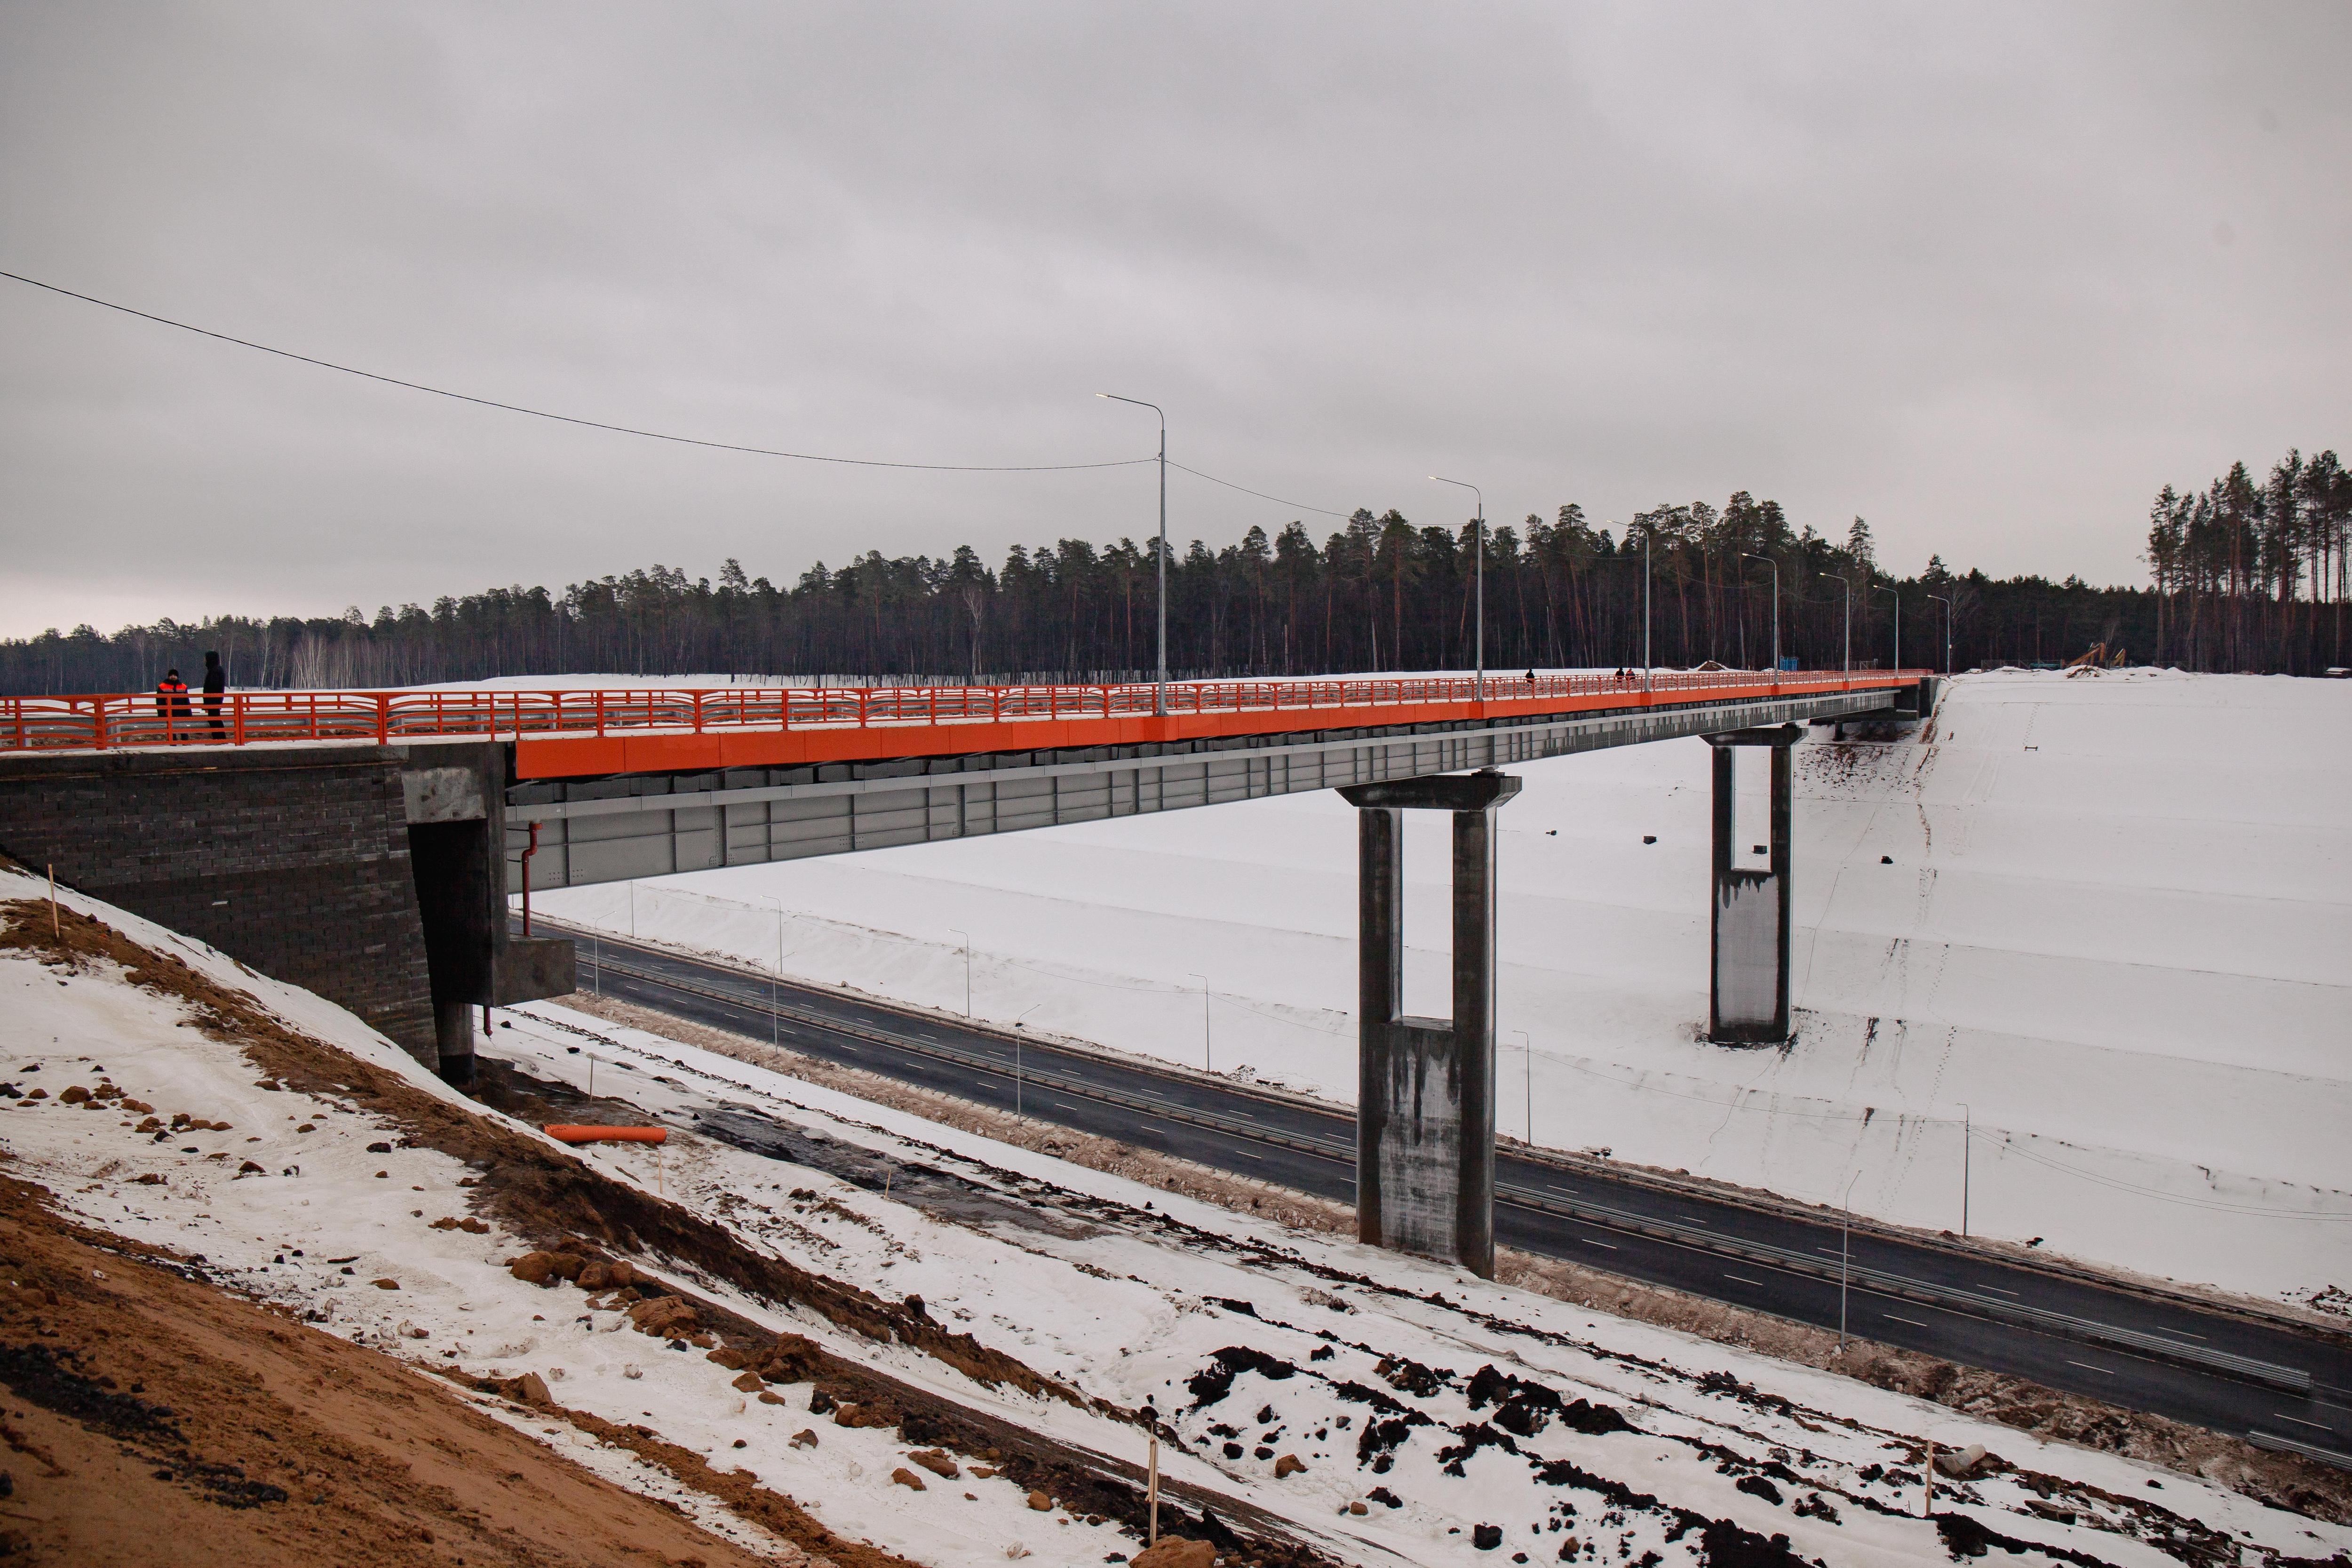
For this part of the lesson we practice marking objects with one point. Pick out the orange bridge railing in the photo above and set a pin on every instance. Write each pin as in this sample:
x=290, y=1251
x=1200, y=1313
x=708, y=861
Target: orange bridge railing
x=560, y=733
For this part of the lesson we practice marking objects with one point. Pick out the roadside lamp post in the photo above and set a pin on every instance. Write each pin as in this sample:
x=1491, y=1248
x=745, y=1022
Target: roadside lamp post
x=967, y=970
x=1776, y=606
x=1479, y=536
x=1204, y=1021
x=1159, y=682
x=1847, y=584
x=1648, y=535
x=774, y=1027
x=1528, y=1058
x=1845, y=1250
x=1897, y=594
x=1948, y=632
x=1018, y=1026
x=1967, y=1142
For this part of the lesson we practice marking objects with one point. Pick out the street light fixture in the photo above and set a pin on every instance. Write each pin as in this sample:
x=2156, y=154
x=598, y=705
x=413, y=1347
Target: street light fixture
x=1968, y=1143
x=1204, y=1021
x=1898, y=592
x=1648, y=535
x=775, y=1028
x=1528, y=1058
x=1776, y=605
x=1845, y=1250
x=1160, y=685
x=1480, y=536
x=1948, y=632
x=1847, y=584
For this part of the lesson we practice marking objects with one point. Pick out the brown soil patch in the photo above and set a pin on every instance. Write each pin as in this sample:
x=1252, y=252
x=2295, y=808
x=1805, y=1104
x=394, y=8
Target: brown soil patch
x=151, y=1418
x=2284, y=1480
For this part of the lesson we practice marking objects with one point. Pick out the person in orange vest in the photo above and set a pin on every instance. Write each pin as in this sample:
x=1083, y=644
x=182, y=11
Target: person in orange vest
x=171, y=703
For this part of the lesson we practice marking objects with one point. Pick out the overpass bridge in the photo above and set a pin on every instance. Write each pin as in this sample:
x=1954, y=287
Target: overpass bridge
x=647, y=782
x=363, y=844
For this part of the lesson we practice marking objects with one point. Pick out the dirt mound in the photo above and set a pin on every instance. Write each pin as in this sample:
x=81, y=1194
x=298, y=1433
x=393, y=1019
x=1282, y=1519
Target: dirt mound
x=155, y=1419
x=576, y=1218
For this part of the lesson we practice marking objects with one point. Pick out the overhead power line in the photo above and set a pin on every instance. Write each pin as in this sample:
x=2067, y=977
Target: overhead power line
x=573, y=419
x=1302, y=506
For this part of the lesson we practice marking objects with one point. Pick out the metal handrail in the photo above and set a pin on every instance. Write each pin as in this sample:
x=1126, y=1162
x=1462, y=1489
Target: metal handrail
x=108, y=720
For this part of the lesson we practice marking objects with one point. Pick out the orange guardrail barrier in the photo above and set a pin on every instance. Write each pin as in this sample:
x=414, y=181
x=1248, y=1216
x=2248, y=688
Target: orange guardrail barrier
x=607, y=1134
x=570, y=733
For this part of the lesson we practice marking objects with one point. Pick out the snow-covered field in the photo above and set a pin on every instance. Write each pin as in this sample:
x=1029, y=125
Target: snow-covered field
x=2103, y=921
x=1442, y=1406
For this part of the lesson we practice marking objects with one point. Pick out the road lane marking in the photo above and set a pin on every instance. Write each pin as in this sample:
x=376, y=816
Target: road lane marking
x=2320, y=1425
x=2086, y=1366
x=1590, y=1242
x=1745, y=1280
x=1913, y=1322
x=2184, y=1333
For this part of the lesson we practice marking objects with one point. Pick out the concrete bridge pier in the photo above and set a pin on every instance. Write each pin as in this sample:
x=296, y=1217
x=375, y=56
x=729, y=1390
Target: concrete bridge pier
x=1748, y=994
x=1425, y=1106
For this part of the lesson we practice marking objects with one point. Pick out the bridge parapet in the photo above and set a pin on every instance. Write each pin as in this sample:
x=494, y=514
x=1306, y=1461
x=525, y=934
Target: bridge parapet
x=588, y=732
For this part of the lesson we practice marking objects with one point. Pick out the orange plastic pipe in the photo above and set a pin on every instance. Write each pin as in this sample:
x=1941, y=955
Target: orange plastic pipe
x=607, y=1134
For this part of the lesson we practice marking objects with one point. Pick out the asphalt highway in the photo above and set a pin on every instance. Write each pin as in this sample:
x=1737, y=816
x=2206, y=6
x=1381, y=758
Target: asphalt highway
x=2283, y=1388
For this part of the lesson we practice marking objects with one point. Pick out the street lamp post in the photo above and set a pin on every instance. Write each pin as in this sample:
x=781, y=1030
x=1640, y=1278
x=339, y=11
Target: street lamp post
x=967, y=970
x=1204, y=1021
x=1648, y=535
x=1776, y=605
x=775, y=1029
x=1948, y=632
x=1479, y=535
x=1160, y=685
x=1528, y=1058
x=1897, y=593
x=1968, y=1144
x=1847, y=584
x=1845, y=1250
x=1019, y=1025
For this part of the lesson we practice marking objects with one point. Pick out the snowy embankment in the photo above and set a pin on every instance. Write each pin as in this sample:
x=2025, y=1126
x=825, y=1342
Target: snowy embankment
x=1375, y=1408
x=2100, y=921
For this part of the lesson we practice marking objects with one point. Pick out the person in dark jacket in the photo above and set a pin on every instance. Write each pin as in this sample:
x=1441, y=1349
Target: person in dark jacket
x=171, y=703
x=216, y=689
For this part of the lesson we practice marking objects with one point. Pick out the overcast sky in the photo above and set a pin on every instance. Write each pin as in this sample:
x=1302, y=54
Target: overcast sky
x=1987, y=275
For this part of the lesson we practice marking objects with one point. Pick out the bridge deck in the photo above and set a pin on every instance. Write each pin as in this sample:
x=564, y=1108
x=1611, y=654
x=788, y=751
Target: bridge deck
x=585, y=733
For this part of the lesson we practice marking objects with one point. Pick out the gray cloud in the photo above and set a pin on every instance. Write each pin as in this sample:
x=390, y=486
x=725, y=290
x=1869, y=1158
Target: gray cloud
x=1988, y=276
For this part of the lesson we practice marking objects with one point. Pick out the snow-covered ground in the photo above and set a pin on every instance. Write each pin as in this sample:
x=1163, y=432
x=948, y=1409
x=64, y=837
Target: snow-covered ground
x=1442, y=1405
x=2101, y=920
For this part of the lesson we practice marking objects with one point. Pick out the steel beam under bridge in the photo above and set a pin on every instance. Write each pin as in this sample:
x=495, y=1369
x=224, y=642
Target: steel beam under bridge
x=626, y=826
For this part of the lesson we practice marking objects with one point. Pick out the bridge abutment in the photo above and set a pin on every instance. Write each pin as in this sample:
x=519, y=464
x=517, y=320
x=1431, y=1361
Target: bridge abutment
x=369, y=875
x=1425, y=1108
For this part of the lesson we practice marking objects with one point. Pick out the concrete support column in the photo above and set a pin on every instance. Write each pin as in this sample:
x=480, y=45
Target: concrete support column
x=1425, y=1100
x=1751, y=924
